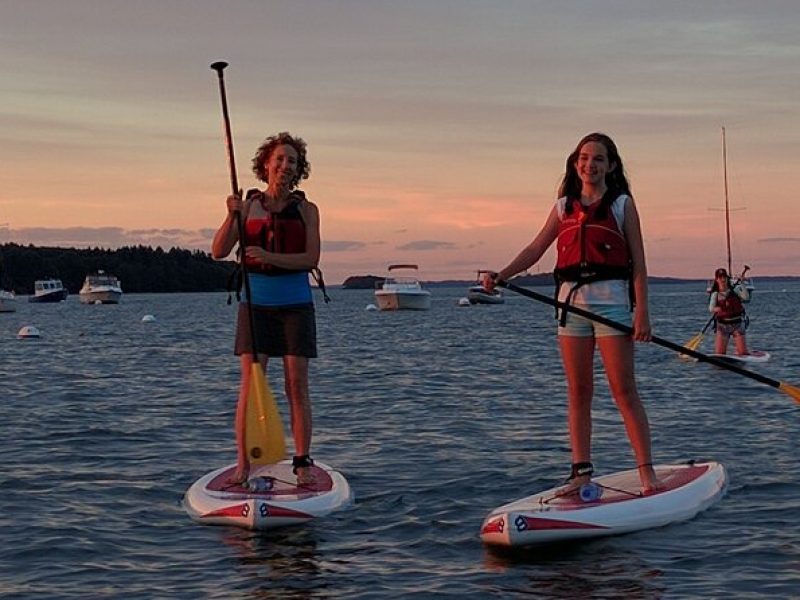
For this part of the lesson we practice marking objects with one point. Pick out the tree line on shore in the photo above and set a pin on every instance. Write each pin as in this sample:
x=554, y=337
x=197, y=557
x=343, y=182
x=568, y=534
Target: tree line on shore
x=139, y=268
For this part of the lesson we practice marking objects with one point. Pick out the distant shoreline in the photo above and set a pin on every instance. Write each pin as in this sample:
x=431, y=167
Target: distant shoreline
x=362, y=282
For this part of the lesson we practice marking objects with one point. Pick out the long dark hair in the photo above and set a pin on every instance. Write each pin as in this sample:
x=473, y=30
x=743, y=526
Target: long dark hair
x=616, y=180
x=715, y=285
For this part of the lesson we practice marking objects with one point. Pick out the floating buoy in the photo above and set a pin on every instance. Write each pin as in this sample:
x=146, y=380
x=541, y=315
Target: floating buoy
x=371, y=307
x=463, y=302
x=27, y=332
x=148, y=319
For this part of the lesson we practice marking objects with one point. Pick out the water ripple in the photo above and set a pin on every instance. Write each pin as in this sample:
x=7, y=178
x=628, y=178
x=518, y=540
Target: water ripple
x=434, y=417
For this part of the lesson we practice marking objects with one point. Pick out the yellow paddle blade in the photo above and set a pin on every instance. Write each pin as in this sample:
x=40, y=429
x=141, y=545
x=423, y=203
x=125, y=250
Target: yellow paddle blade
x=792, y=390
x=693, y=343
x=264, y=439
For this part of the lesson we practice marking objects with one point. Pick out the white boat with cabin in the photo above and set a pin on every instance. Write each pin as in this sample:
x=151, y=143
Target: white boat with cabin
x=100, y=288
x=8, y=301
x=402, y=291
x=48, y=290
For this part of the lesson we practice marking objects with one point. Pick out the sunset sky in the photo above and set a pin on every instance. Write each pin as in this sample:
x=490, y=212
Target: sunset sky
x=437, y=129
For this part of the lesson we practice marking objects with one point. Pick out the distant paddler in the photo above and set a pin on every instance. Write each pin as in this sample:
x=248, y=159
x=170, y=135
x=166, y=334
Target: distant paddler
x=726, y=303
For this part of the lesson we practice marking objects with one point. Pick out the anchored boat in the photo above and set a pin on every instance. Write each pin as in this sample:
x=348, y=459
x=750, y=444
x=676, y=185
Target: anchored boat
x=48, y=290
x=100, y=288
x=402, y=291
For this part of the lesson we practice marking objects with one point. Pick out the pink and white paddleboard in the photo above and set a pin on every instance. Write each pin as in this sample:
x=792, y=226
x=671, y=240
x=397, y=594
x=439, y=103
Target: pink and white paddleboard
x=755, y=356
x=271, y=498
x=620, y=508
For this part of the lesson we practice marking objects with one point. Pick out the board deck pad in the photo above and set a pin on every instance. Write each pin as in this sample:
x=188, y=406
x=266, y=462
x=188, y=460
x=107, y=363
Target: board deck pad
x=625, y=486
x=284, y=481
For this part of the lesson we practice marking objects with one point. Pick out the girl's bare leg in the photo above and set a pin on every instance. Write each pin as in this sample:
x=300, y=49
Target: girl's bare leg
x=617, y=353
x=577, y=356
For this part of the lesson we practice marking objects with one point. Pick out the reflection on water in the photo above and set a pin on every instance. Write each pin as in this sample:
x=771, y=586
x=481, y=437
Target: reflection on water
x=284, y=562
x=579, y=570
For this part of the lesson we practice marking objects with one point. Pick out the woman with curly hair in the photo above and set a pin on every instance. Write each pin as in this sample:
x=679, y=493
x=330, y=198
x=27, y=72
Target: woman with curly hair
x=601, y=269
x=282, y=246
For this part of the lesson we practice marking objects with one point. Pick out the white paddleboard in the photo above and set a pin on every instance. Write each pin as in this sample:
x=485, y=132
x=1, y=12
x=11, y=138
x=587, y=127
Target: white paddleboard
x=549, y=517
x=277, y=500
x=755, y=356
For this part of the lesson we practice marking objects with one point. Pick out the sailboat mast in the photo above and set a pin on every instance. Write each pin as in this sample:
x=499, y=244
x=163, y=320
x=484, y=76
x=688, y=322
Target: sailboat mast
x=727, y=208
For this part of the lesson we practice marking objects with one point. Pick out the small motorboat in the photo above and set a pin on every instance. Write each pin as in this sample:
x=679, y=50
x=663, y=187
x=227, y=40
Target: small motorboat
x=477, y=294
x=100, y=288
x=402, y=292
x=48, y=290
x=8, y=301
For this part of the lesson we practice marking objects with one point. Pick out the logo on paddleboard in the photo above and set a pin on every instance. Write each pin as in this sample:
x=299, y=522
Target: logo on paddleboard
x=521, y=523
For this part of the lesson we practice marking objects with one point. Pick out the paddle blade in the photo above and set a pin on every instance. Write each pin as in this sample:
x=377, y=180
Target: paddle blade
x=792, y=390
x=264, y=439
x=692, y=344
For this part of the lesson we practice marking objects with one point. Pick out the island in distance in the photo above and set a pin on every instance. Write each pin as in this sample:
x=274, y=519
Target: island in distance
x=368, y=282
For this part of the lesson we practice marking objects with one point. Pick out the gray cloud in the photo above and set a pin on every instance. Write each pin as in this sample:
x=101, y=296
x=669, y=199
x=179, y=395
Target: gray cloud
x=342, y=246
x=780, y=240
x=108, y=237
x=427, y=245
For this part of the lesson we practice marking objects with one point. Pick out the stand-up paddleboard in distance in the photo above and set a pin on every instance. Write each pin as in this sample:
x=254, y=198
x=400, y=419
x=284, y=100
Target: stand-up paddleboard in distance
x=754, y=356
x=613, y=505
x=271, y=497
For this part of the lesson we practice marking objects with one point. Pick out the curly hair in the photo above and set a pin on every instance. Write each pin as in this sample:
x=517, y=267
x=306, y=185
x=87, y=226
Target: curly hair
x=268, y=145
x=616, y=180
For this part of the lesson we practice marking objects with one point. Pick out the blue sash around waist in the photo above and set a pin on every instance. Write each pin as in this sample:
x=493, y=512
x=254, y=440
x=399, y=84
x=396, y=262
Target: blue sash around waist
x=279, y=290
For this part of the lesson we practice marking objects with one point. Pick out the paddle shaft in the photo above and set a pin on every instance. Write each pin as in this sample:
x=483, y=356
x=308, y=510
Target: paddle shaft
x=219, y=67
x=629, y=330
x=708, y=324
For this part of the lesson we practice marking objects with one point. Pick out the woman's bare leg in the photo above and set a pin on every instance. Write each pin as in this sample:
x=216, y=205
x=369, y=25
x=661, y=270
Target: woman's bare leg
x=240, y=420
x=295, y=370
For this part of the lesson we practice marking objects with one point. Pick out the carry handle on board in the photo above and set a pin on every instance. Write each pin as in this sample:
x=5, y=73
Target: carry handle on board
x=791, y=390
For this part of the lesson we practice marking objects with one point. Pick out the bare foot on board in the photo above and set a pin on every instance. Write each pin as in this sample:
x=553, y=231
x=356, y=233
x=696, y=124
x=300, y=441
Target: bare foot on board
x=650, y=481
x=240, y=475
x=573, y=485
x=304, y=476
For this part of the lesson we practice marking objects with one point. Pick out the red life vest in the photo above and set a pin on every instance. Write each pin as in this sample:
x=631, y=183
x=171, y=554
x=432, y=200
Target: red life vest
x=591, y=248
x=732, y=308
x=282, y=233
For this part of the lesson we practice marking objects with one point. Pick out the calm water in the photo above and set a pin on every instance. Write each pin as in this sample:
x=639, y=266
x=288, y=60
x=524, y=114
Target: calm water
x=435, y=418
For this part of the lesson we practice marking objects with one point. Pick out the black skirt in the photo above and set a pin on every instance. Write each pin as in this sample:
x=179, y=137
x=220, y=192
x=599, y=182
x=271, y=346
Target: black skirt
x=280, y=331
